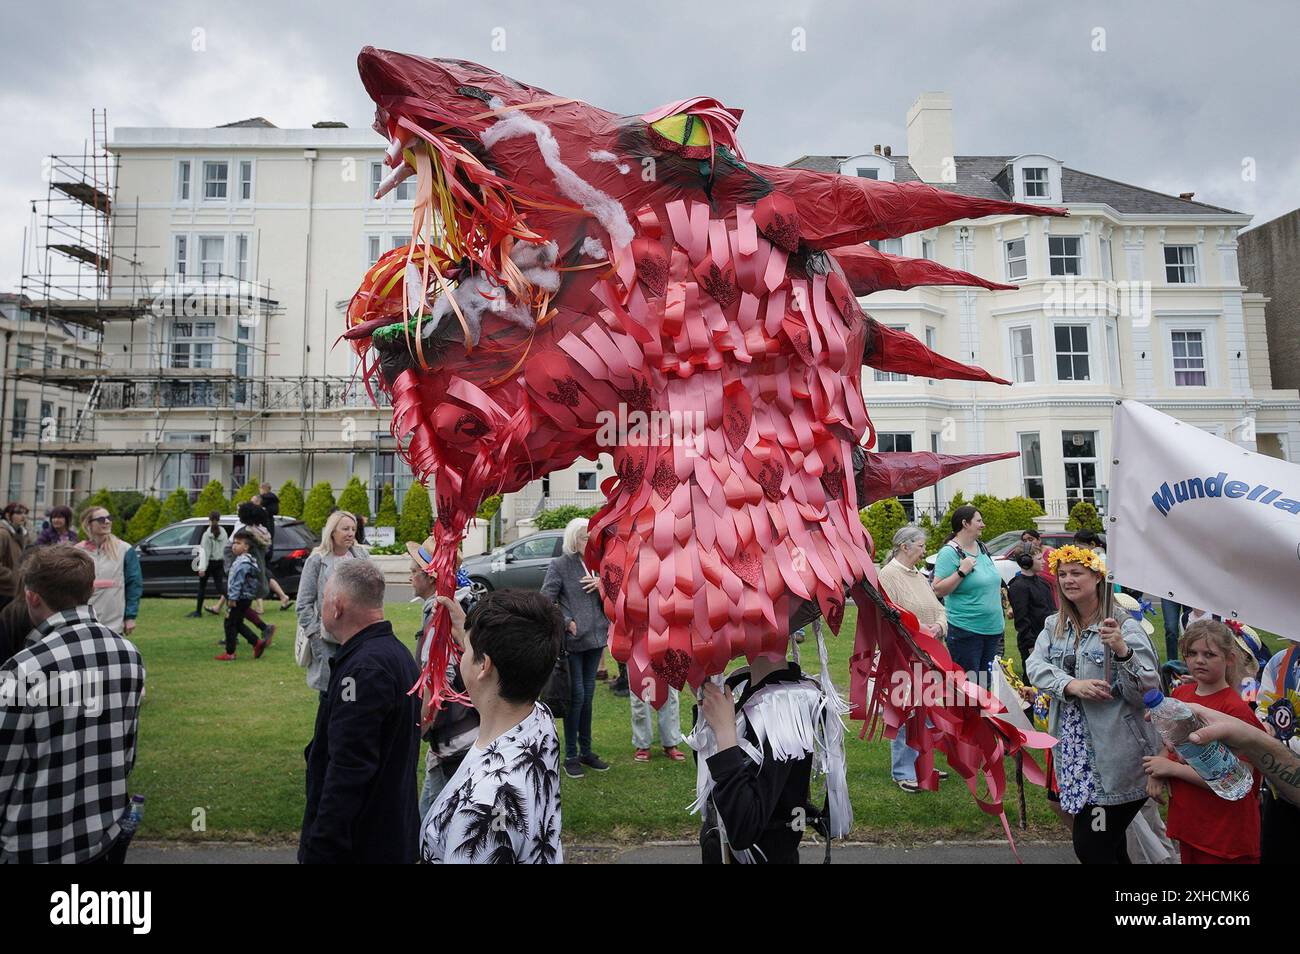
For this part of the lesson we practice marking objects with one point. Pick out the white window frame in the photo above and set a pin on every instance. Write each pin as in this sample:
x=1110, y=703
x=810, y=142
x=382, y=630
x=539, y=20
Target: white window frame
x=1025, y=477
x=243, y=253
x=927, y=249
x=42, y=483
x=1097, y=460
x=184, y=191
x=1044, y=184
x=249, y=180
x=403, y=194
x=1077, y=257
x=192, y=339
x=1191, y=268
x=931, y=342
x=890, y=377
x=17, y=474
x=1107, y=263
x=180, y=255
x=907, y=500
x=203, y=166
x=203, y=262
x=1009, y=261
x=1089, y=353
x=586, y=472
x=1206, y=330
x=1114, y=362
x=1013, y=360
x=890, y=246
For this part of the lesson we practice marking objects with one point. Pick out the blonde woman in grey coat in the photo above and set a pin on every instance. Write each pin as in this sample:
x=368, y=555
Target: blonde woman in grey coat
x=337, y=542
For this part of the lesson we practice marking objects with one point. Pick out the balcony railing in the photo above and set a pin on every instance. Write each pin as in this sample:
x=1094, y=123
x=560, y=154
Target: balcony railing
x=257, y=394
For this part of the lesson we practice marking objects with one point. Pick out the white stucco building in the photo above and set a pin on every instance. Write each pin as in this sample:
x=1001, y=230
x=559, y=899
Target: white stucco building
x=1135, y=295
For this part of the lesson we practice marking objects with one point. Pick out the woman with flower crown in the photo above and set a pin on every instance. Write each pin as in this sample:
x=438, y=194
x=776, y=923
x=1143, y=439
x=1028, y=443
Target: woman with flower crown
x=1095, y=670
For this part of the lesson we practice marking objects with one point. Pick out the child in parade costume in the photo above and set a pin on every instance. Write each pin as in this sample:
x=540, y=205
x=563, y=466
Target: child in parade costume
x=756, y=757
x=1279, y=700
x=1210, y=829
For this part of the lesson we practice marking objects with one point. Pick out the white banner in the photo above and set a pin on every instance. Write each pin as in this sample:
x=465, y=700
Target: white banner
x=1201, y=521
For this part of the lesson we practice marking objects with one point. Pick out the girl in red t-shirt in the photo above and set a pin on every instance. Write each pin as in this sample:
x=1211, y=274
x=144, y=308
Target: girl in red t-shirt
x=1209, y=829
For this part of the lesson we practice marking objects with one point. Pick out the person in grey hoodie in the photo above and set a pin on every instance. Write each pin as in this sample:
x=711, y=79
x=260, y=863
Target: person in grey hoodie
x=337, y=542
x=1096, y=671
x=579, y=595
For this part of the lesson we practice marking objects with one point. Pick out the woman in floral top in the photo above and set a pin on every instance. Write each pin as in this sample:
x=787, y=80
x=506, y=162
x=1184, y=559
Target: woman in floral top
x=1096, y=671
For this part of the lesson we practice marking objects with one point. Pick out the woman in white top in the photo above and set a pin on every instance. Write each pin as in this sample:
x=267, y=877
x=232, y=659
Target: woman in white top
x=337, y=542
x=907, y=587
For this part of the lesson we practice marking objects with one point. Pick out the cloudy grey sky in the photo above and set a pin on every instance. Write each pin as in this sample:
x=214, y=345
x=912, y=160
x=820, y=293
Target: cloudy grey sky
x=1182, y=93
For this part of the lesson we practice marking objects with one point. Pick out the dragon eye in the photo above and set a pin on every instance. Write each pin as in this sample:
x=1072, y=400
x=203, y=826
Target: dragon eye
x=682, y=129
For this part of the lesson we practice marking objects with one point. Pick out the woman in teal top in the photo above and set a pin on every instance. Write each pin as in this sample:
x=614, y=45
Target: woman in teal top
x=971, y=588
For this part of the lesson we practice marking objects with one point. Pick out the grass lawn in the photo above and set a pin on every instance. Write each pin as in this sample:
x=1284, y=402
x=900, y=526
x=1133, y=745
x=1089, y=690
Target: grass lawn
x=221, y=749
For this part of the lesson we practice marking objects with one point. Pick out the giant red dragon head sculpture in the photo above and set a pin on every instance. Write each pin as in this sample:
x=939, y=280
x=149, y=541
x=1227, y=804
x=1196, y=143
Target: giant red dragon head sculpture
x=579, y=282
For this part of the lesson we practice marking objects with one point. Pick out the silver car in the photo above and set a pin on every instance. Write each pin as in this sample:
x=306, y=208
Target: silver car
x=516, y=566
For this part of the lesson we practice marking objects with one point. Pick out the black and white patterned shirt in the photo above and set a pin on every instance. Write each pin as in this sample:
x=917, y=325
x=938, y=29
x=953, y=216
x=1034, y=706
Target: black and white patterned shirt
x=503, y=804
x=69, y=715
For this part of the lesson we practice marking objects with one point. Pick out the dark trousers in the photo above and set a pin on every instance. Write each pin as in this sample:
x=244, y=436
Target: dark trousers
x=236, y=627
x=115, y=854
x=217, y=575
x=1279, y=830
x=974, y=652
x=1173, y=615
x=1099, y=833
x=582, y=689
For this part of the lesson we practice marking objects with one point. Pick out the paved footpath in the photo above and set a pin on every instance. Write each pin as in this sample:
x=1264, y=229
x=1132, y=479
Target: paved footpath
x=655, y=853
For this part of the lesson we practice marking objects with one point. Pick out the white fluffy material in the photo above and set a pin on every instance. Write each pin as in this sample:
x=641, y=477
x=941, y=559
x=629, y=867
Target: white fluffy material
x=593, y=248
x=479, y=295
x=604, y=155
x=606, y=209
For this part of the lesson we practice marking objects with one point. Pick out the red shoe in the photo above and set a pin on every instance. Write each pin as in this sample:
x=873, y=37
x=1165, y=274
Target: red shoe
x=260, y=648
x=674, y=753
x=225, y=657
x=642, y=755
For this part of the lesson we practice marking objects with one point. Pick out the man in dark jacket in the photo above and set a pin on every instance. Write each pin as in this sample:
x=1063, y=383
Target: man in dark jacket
x=361, y=797
x=1031, y=598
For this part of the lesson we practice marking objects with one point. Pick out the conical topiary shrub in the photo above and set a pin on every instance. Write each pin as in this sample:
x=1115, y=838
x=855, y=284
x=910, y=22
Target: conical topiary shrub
x=320, y=502
x=387, y=508
x=417, y=516
x=354, y=498
x=291, y=502
x=1084, y=516
x=145, y=520
x=246, y=493
x=210, y=498
x=174, y=509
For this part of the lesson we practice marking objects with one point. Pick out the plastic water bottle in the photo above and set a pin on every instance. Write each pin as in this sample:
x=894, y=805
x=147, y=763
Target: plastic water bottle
x=134, y=815
x=1215, y=762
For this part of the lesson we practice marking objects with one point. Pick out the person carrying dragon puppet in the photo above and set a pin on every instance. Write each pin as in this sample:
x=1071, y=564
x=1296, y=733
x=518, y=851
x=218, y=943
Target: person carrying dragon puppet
x=569, y=265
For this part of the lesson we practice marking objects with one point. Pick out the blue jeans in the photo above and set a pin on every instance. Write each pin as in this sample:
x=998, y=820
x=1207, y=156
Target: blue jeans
x=582, y=689
x=902, y=758
x=974, y=652
x=1173, y=613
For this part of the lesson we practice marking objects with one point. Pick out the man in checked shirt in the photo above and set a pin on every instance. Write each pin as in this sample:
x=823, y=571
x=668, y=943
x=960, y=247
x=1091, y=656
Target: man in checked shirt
x=69, y=713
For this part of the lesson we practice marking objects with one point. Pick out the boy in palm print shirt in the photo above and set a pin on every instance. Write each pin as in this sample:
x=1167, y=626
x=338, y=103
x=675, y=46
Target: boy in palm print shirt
x=503, y=804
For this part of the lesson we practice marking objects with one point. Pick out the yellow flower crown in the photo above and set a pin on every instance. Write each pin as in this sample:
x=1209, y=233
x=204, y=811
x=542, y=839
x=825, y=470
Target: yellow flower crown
x=1074, y=554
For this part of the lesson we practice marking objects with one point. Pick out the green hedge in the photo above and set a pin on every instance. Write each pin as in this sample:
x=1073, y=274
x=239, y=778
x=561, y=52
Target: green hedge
x=291, y=500
x=354, y=498
x=144, y=522
x=1084, y=516
x=175, y=508
x=557, y=518
x=320, y=502
x=417, y=516
x=883, y=519
x=211, y=498
x=387, y=516
x=247, y=492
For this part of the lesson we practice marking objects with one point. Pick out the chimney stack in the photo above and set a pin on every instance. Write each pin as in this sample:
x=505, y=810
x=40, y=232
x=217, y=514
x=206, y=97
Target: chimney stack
x=1186, y=196
x=876, y=149
x=929, y=136
x=889, y=151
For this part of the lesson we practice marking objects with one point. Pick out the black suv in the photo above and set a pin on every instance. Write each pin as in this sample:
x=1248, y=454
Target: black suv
x=166, y=555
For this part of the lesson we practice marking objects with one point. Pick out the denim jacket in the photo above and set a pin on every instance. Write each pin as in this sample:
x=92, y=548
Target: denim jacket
x=1118, y=734
x=242, y=584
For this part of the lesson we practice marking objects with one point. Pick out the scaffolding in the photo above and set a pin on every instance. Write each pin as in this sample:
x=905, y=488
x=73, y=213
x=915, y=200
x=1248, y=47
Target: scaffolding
x=84, y=268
